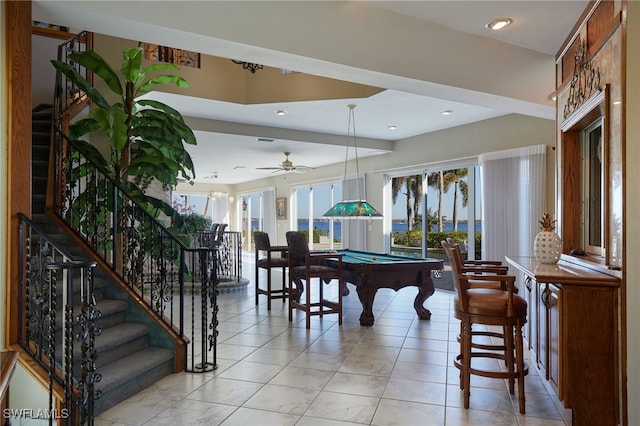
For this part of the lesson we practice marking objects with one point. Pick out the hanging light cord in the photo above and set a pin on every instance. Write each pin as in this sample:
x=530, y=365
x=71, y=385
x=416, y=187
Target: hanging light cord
x=351, y=125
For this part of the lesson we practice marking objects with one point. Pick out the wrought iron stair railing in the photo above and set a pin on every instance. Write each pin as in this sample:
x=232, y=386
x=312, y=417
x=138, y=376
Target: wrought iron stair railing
x=156, y=265
x=50, y=281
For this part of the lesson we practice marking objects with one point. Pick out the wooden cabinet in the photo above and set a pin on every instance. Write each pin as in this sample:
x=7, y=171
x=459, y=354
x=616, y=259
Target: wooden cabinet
x=547, y=334
x=574, y=336
x=542, y=330
x=529, y=290
x=524, y=287
x=553, y=300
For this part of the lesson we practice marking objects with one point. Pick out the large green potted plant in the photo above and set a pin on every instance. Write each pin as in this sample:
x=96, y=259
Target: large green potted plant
x=133, y=126
x=147, y=138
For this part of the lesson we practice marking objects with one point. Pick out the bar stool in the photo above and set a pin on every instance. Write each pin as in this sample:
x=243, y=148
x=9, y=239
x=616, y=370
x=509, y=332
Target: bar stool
x=492, y=307
x=304, y=265
x=268, y=262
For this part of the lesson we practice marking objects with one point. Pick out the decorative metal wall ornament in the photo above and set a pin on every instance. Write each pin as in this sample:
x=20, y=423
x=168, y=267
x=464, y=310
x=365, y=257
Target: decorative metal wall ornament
x=171, y=55
x=249, y=66
x=585, y=81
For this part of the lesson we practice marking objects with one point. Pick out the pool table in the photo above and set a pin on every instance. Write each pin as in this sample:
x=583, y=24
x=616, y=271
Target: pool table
x=371, y=271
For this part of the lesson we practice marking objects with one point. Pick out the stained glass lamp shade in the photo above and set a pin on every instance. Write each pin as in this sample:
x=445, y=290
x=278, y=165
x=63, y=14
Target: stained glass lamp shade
x=352, y=209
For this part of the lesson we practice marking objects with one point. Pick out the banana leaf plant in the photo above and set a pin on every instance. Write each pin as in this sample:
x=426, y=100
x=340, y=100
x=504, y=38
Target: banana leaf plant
x=147, y=138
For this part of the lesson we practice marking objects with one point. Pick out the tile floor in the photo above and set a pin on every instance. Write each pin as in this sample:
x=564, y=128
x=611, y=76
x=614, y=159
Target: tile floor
x=272, y=372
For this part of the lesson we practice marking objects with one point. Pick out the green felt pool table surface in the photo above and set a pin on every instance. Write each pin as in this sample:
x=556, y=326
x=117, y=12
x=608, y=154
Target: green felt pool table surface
x=354, y=256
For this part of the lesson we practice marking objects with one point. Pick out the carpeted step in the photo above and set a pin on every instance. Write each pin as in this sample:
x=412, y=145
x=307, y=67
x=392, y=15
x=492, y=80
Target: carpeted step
x=113, y=344
x=38, y=202
x=41, y=125
x=112, y=312
x=41, y=108
x=39, y=185
x=40, y=146
x=130, y=375
x=120, y=341
x=41, y=131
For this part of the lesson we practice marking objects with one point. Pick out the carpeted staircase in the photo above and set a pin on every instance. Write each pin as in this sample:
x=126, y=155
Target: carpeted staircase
x=133, y=351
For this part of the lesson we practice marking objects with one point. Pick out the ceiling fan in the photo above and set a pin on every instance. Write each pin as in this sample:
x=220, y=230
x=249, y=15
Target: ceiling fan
x=287, y=166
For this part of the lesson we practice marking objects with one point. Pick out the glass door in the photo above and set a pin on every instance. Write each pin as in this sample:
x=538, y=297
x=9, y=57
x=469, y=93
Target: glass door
x=311, y=203
x=452, y=210
x=251, y=217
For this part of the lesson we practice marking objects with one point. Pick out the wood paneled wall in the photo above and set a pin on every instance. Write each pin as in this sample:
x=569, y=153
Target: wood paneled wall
x=599, y=40
x=601, y=35
x=18, y=65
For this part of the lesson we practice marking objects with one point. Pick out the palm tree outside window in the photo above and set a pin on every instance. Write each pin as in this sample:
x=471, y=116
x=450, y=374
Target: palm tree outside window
x=445, y=204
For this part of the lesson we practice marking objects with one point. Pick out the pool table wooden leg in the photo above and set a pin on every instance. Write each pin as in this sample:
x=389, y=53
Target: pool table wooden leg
x=425, y=291
x=366, y=295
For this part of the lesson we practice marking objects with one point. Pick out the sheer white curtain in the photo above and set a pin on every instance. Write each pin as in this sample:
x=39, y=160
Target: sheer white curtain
x=269, y=213
x=354, y=231
x=513, y=189
x=219, y=207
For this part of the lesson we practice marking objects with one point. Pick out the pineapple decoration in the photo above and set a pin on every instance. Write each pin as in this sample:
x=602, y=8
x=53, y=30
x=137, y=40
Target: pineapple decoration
x=547, y=246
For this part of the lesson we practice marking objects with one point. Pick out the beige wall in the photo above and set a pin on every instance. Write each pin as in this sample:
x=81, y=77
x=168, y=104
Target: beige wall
x=218, y=78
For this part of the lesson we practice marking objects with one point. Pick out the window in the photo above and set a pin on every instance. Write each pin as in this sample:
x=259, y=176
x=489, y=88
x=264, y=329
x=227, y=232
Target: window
x=251, y=217
x=214, y=205
x=406, y=218
x=453, y=207
x=434, y=201
x=311, y=202
x=592, y=188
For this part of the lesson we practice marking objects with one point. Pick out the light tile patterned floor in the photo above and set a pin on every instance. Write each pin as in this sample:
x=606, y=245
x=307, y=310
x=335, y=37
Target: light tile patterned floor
x=272, y=372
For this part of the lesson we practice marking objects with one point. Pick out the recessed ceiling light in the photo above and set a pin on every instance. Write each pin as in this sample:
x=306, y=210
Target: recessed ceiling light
x=392, y=127
x=447, y=112
x=281, y=112
x=499, y=24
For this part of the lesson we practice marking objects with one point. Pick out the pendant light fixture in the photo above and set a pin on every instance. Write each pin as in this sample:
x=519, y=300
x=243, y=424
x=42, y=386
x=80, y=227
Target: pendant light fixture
x=352, y=209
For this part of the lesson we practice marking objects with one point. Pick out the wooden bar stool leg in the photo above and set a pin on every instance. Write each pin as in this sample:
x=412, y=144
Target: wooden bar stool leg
x=291, y=301
x=520, y=361
x=285, y=290
x=268, y=289
x=340, y=286
x=508, y=351
x=257, y=282
x=466, y=362
x=308, y=311
x=461, y=354
x=321, y=285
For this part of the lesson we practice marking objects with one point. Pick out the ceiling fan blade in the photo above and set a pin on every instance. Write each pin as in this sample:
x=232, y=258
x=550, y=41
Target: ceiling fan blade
x=269, y=168
x=302, y=169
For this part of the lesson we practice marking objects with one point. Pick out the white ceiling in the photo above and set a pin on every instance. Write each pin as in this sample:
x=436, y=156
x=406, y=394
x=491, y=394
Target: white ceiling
x=227, y=142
